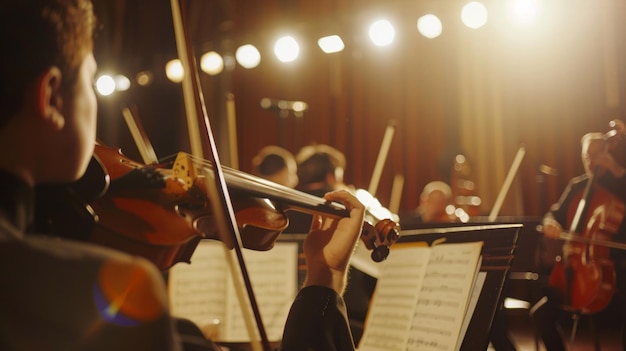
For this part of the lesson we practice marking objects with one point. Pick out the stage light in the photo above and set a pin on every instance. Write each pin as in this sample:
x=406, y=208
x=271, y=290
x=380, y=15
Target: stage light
x=105, y=85
x=382, y=33
x=474, y=15
x=122, y=83
x=212, y=63
x=248, y=56
x=144, y=78
x=429, y=26
x=174, y=71
x=286, y=49
x=331, y=44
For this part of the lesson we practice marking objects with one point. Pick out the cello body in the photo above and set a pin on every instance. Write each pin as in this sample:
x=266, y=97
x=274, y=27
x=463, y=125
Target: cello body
x=585, y=274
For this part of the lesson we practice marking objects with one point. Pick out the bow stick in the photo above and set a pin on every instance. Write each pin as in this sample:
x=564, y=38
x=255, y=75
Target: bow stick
x=216, y=190
x=382, y=156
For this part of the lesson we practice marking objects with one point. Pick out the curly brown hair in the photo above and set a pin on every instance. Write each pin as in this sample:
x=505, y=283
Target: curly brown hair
x=36, y=35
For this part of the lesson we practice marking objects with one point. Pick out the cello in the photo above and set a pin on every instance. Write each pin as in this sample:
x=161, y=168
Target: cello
x=585, y=274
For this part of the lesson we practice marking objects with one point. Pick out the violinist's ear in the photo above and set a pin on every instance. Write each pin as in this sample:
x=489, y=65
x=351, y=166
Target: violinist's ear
x=49, y=97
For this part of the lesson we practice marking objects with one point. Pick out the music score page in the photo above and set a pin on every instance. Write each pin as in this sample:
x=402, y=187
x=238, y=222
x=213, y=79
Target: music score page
x=203, y=291
x=421, y=297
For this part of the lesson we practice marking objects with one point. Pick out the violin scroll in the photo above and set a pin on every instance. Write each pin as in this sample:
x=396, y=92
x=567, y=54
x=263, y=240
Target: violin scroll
x=379, y=237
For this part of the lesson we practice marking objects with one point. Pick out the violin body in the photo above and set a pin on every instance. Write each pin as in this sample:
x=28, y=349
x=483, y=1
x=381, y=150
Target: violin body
x=585, y=274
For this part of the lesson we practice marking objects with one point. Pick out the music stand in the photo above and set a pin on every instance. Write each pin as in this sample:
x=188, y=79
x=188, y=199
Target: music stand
x=500, y=243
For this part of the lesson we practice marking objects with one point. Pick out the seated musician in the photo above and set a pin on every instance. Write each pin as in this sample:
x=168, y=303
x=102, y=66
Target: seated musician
x=435, y=197
x=611, y=176
x=59, y=294
x=276, y=164
x=320, y=170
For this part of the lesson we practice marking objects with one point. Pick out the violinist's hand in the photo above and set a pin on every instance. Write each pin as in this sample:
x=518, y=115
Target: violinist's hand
x=551, y=228
x=331, y=242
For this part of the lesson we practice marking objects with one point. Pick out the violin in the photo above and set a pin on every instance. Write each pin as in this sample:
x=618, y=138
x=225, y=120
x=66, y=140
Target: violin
x=161, y=212
x=585, y=274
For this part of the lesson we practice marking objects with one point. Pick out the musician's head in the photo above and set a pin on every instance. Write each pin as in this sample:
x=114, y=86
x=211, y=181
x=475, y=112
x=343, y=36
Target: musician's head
x=591, y=145
x=434, y=199
x=276, y=164
x=320, y=166
x=46, y=88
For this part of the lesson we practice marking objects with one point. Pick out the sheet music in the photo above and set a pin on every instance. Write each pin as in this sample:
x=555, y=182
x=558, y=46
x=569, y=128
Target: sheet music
x=444, y=296
x=479, y=282
x=274, y=277
x=196, y=290
x=397, y=290
x=203, y=291
x=421, y=298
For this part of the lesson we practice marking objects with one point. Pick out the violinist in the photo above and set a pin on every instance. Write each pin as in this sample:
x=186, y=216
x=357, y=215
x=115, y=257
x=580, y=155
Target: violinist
x=611, y=176
x=320, y=169
x=52, y=288
x=59, y=294
x=276, y=164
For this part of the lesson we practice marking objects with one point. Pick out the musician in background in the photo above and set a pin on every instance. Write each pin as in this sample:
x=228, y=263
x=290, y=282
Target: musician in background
x=547, y=312
x=276, y=164
x=59, y=294
x=320, y=170
x=435, y=199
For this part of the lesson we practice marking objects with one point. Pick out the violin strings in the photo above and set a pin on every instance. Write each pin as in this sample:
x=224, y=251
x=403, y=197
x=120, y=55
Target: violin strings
x=247, y=182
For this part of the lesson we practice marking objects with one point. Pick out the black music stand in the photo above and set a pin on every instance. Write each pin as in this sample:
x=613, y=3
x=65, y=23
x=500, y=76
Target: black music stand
x=500, y=243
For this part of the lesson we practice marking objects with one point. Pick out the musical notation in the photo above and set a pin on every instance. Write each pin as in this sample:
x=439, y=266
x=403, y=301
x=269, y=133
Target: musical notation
x=204, y=291
x=421, y=298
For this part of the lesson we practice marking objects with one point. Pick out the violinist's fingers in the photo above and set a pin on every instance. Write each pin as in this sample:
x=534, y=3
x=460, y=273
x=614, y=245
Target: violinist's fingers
x=347, y=199
x=331, y=242
x=316, y=223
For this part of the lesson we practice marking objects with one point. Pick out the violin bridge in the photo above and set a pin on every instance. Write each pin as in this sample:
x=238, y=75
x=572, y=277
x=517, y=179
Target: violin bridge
x=184, y=171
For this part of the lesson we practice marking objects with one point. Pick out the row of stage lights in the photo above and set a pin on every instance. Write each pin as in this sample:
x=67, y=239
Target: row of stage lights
x=474, y=15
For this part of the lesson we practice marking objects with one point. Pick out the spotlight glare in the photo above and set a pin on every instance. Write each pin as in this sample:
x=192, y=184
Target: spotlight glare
x=382, y=33
x=474, y=15
x=248, y=56
x=429, y=26
x=144, y=78
x=331, y=44
x=286, y=49
x=174, y=71
x=525, y=12
x=212, y=63
x=122, y=83
x=299, y=106
x=105, y=85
